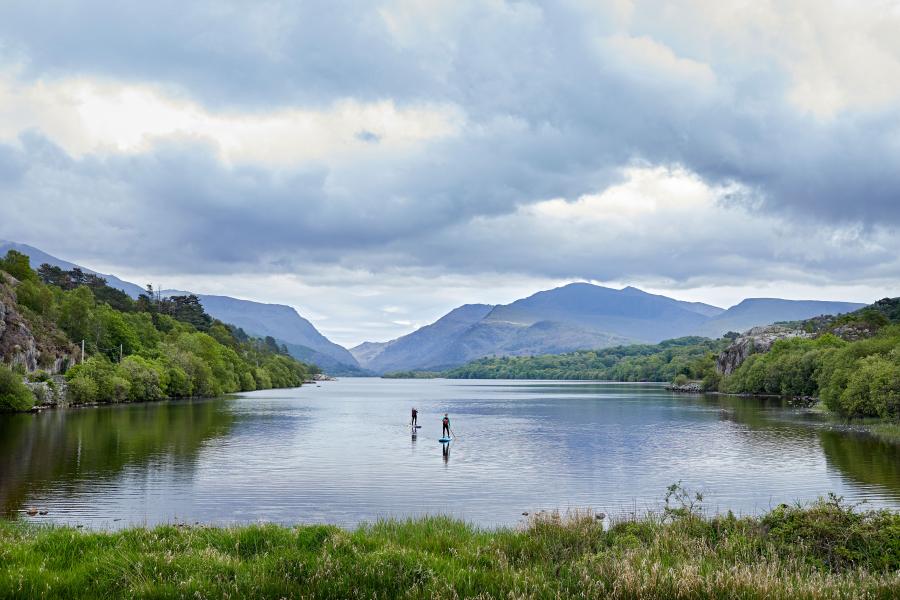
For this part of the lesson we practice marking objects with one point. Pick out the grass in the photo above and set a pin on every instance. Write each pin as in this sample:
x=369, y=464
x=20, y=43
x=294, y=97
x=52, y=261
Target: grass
x=887, y=431
x=826, y=550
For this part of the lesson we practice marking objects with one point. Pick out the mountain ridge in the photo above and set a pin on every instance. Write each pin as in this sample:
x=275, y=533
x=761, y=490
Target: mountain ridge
x=280, y=321
x=577, y=316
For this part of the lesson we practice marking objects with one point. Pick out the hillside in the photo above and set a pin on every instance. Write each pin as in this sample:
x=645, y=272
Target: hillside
x=38, y=257
x=762, y=311
x=635, y=362
x=425, y=348
x=578, y=316
x=53, y=322
x=285, y=325
x=629, y=312
x=278, y=321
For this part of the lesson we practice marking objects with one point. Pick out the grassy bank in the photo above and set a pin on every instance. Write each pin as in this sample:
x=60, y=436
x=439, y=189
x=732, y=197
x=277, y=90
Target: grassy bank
x=823, y=551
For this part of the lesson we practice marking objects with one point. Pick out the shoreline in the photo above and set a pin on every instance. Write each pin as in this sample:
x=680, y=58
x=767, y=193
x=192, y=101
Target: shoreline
x=787, y=552
x=53, y=407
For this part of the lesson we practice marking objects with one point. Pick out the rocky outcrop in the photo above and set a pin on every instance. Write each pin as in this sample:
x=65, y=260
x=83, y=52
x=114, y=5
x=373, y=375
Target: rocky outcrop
x=51, y=392
x=757, y=339
x=20, y=346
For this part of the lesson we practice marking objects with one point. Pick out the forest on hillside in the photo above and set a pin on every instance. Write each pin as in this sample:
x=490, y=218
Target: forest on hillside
x=134, y=350
x=850, y=361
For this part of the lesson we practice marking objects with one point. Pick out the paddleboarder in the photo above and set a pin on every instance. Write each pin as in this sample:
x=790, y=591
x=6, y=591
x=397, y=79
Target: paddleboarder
x=446, y=424
x=415, y=418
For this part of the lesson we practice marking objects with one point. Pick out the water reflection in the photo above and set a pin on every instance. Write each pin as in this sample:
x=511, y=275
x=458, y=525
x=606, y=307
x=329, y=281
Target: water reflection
x=74, y=449
x=340, y=454
x=865, y=458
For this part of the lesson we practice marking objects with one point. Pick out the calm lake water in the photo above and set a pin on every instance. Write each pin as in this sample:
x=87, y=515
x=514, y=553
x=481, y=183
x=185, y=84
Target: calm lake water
x=342, y=453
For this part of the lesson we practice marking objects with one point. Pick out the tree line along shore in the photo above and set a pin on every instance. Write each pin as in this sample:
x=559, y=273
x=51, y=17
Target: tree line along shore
x=851, y=362
x=67, y=338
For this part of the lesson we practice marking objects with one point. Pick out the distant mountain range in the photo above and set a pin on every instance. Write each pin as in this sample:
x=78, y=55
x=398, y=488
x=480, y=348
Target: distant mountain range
x=283, y=323
x=573, y=317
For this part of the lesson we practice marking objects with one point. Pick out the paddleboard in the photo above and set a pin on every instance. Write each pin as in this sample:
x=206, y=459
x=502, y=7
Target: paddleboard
x=445, y=440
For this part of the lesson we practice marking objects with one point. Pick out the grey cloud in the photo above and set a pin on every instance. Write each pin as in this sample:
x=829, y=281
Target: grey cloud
x=550, y=113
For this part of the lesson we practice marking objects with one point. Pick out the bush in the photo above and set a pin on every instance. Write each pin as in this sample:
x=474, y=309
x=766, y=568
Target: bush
x=35, y=296
x=681, y=379
x=147, y=380
x=82, y=390
x=835, y=535
x=14, y=394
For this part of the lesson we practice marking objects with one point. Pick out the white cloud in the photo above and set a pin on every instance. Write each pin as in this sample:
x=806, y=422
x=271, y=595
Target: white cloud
x=87, y=115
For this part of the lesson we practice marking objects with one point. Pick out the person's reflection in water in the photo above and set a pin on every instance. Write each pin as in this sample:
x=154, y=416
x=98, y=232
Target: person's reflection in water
x=446, y=451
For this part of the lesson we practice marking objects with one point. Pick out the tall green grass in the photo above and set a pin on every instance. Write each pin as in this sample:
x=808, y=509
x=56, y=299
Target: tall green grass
x=826, y=550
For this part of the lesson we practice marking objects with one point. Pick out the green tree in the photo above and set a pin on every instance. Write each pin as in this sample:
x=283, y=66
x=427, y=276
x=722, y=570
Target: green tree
x=76, y=314
x=14, y=394
x=19, y=266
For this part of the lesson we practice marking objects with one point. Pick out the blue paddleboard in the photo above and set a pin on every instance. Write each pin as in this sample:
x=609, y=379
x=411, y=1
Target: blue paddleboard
x=444, y=440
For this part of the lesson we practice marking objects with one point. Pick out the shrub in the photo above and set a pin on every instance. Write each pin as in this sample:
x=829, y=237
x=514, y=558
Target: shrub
x=14, y=394
x=835, y=535
x=82, y=390
x=681, y=379
x=147, y=380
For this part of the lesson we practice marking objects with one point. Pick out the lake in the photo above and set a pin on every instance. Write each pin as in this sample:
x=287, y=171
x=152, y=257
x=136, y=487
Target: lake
x=342, y=453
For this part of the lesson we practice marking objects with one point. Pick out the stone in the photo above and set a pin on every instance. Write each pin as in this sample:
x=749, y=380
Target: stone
x=757, y=339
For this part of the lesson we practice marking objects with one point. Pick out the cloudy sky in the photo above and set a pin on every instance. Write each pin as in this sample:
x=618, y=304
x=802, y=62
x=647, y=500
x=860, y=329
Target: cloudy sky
x=377, y=163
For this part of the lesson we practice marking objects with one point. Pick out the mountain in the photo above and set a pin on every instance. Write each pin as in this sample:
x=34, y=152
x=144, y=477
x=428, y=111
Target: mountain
x=629, y=312
x=283, y=323
x=764, y=311
x=573, y=317
x=39, y=257
x=424, y=348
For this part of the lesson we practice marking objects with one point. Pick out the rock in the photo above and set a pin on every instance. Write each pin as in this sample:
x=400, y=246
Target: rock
x=757, y=339
x=43, y=512
x=31, y=511
x=600, y=516
x=524, y=514
x=44, y=348
x=688, y=388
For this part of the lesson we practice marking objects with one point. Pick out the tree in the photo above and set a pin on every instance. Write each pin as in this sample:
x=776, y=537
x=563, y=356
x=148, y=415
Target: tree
x=18, y=265
x=76, y=314
x=14, y=394
x=187, y=309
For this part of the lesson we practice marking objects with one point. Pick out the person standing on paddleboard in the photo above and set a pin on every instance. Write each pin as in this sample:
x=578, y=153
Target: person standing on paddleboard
x=415, y=417
x=446, y=423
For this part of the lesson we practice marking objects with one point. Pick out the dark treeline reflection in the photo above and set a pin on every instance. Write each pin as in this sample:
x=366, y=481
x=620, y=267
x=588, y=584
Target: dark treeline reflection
x=864, y=458
x=859, y=456
x=41, y=450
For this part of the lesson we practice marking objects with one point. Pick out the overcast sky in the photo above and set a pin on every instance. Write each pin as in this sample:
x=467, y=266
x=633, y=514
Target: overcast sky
x=377, y=163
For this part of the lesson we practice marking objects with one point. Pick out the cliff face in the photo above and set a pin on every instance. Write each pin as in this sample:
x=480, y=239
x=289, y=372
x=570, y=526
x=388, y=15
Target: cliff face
x=757, y=339
x=20, y=345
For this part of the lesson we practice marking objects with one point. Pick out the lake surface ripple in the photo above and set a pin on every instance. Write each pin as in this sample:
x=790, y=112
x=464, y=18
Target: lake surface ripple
x=342, y=453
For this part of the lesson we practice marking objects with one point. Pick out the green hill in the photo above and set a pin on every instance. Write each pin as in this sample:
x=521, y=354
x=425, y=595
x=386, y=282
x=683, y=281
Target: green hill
x=134, y=350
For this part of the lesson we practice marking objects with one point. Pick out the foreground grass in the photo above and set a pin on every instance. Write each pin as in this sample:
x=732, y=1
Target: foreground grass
x=823, y=551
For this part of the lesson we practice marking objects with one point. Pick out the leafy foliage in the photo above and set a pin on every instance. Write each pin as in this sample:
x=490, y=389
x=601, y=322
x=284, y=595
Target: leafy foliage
x=693, y=357
x=14, y=395
x=854, y=379
x=147, y=349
